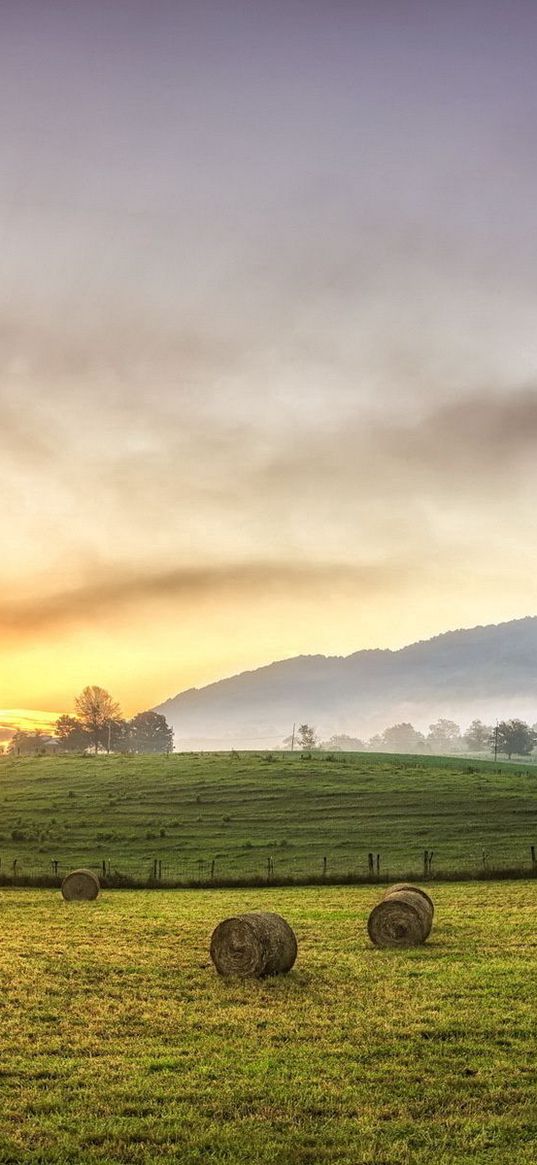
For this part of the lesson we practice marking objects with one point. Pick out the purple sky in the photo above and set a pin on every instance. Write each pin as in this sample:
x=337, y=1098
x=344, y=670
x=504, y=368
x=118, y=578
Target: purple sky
x=267, y=331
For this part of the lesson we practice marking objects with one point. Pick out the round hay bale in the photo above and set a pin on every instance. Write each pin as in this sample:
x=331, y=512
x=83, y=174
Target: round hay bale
x=415, y=890
x=81, y=886
x=253, y=945
x=404, y=919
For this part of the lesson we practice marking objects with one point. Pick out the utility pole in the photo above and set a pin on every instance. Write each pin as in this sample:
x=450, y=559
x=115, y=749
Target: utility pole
x=496, y=741
x=293, y=739
x=109, y=735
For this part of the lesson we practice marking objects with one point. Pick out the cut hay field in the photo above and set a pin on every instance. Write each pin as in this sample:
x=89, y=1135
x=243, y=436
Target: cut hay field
x=188, y=811
x=119, y=1043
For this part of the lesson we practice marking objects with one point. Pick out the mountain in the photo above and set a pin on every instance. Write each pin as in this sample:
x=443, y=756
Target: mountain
x=485, y=672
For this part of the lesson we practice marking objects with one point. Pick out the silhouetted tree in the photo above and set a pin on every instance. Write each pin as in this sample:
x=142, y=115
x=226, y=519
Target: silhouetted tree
x=72, y=736
x=96, y=712
x=117, y=735
x=150, y=732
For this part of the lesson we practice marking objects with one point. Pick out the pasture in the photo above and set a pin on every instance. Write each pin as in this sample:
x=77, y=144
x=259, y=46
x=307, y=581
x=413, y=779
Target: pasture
x=189, y=811
x=119, y=1043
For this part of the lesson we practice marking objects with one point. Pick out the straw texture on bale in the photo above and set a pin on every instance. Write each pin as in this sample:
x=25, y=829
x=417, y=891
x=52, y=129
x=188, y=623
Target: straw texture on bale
x=415, y=890
x=80, y=886
x=403, y=919
x=253, y=945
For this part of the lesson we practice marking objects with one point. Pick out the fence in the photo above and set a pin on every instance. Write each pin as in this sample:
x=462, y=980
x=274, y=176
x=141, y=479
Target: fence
x=200, y=872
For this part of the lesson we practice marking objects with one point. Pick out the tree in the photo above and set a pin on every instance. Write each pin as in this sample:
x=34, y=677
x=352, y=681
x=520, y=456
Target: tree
x=27, y=743
x=343, y=743
x=72, y=736
x=150, y=732
x=118, y=736
x=307, y=737
x=96, y=711
x=402, y=738
x=515, y=736
x=444, y=736
x=478, y=736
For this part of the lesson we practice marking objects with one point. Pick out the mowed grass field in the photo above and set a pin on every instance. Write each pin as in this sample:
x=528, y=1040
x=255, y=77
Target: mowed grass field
x=188, y=811
x=119, y=1042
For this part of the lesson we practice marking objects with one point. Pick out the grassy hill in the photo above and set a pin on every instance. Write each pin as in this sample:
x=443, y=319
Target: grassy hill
x=188, y=811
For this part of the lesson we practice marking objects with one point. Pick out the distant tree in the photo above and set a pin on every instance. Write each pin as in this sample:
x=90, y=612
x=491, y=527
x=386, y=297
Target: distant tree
x=117, y=736
x=97, y=710
x=478, y=736
x=515, y=737
x=402, y=738
x=444, y=736
x=306, y=737
x=72, y=736
x=376, y=743
x=343, y=743
x=27, y=743
x=150, y=732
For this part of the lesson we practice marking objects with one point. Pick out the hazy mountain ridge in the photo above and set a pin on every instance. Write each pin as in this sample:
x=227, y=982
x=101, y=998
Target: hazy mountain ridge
x=484, y=671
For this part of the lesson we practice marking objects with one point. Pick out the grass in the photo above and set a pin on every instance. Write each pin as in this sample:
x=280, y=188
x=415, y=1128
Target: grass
x=189, y=811
x=119, y=1043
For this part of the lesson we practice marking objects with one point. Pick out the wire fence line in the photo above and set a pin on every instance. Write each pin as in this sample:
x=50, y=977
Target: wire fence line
x=164, y=872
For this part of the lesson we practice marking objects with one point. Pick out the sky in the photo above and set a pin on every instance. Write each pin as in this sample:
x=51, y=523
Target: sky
x=268, y=341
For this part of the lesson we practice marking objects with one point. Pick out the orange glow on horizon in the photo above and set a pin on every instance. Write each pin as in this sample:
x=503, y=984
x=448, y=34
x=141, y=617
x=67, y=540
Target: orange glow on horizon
x=25, y=720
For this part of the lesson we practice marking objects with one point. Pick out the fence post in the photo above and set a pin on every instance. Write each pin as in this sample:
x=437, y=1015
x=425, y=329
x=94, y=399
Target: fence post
x=378, y=865
x=370, y=864
x=212, y=869
x=533, y=861
x=325, y=863
x=427, y=862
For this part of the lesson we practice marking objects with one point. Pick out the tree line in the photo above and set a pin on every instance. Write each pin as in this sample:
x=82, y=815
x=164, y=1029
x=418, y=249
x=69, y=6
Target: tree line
x=99, y=726
x=509, y=738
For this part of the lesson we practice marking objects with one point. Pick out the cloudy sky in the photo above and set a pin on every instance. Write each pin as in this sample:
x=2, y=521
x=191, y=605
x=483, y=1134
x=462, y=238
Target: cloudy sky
x=268, y=333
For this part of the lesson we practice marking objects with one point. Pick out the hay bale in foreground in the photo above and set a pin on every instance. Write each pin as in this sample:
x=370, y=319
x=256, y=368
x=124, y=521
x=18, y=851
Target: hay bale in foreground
x=415, y=890
x=81, y=886
x=253, y=945
x=403, y=919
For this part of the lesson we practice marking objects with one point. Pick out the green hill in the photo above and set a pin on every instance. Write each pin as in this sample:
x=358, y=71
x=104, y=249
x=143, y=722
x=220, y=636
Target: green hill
x=190, y=811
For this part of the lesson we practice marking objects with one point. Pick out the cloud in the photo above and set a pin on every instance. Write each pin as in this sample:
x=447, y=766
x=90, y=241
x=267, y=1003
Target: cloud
x=105, y=597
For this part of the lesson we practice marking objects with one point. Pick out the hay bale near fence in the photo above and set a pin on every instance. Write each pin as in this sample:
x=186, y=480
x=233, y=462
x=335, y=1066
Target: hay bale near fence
x=253, y=945
x=403, y=918
x=81, y=886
